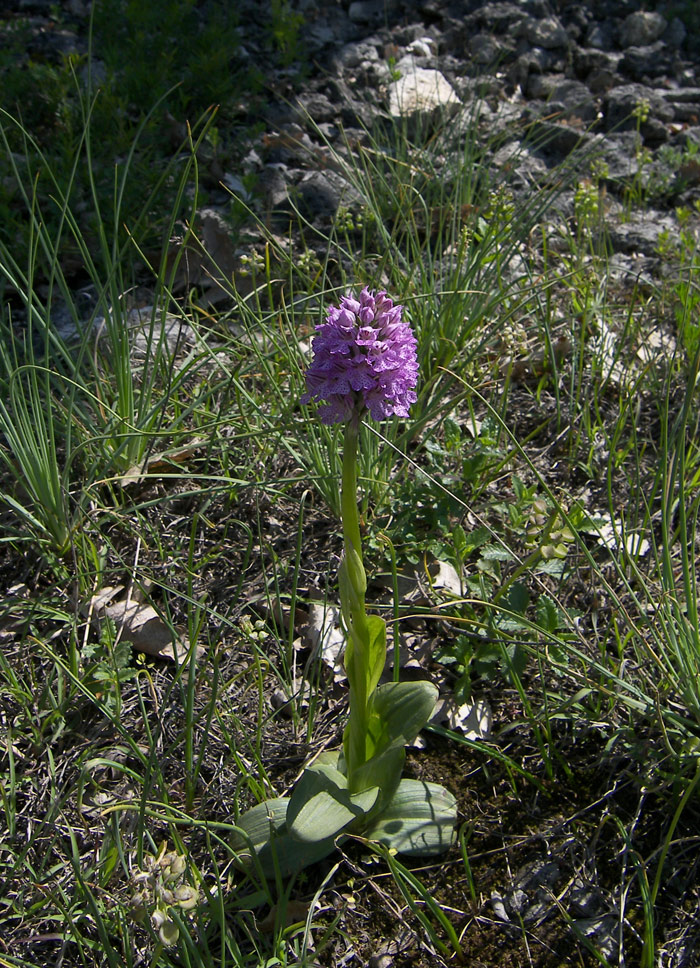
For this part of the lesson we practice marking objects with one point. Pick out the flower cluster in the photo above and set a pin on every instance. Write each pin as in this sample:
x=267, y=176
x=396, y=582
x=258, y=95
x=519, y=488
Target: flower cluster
x=161, y=889
x=364, y=359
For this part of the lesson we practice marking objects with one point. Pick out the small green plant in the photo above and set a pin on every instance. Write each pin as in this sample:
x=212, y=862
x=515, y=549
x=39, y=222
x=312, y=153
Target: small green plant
x=683, y=252
x=104, y=666
x=285, y=26
x=635, y=194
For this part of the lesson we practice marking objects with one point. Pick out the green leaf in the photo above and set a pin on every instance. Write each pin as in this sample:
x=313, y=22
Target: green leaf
x=329, y=758
x=326, y=815
x=400, y=710
x=419, y=820
x=321, y=805
x=264, y=834
x=515, y=660
x=260, y=823
x=476, y=538
x=328, y=770
x=547, y=614
x=517, y=598
x=496, y=552
x=508, y=623
x=554, y=567
x=376, y=652
x=383, y=770
x=488, y=660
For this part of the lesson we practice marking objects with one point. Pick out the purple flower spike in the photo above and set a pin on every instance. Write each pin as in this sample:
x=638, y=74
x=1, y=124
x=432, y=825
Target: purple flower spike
x=364, y=358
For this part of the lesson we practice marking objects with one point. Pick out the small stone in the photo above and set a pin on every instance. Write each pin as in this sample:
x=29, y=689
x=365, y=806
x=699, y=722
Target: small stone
x=548, y=33
x=364, y=11
x=600, y=81
x=422, y=47
x=575, y=97
x=641, y=28
x=317, y=106
x=642, y=62
x=354, y=54
x=484, y=49
x=381, y=961
x=621, y=103
x=320, y=193
x=640, y=235
x=675, y=33
x=540, y=86
x=591, y=59
x=520, y=71
x=600, y=36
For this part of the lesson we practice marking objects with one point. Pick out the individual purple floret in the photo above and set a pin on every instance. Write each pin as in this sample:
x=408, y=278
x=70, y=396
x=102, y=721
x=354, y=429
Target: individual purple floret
x=364, y=358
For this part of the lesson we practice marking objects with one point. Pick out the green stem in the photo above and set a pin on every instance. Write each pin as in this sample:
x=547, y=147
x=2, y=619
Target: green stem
x=348, y=494
x=353, y=585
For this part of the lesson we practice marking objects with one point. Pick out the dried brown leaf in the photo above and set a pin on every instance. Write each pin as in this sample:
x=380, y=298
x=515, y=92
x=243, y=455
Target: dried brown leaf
x=139, y=624
x=323, y=634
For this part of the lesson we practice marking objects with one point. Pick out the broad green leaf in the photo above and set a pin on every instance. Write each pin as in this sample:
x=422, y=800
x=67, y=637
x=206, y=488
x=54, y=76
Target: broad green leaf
x=265, y=834
x=517, y=598
x=325, y=815
x=383, y=771
x=555, y=567
x=419, y=820
x=327, y=769
x=312, y=783
x=400, y=711
x=376, y=651
x=260, y=823
x=329, y=758
x=321, y=805
x=495, y=552
x=547, y=614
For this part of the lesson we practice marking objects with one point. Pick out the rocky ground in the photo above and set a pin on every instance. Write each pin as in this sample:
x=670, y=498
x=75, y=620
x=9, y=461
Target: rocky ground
x=561, y=75
x=544, y=79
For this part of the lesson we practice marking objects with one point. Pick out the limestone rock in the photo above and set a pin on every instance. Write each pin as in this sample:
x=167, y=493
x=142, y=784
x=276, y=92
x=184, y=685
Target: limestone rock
x=421, y=91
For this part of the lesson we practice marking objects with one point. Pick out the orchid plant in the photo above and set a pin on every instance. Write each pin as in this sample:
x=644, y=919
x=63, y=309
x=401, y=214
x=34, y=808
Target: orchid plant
x=364, y=362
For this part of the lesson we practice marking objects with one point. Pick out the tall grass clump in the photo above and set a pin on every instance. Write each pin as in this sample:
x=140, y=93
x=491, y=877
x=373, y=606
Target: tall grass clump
x=81, y=408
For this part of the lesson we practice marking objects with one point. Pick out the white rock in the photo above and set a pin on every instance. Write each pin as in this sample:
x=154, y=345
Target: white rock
x=422, y=47
x=421, y=91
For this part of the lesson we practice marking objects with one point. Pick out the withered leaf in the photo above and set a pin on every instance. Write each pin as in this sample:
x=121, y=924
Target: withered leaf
x=140, y=624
